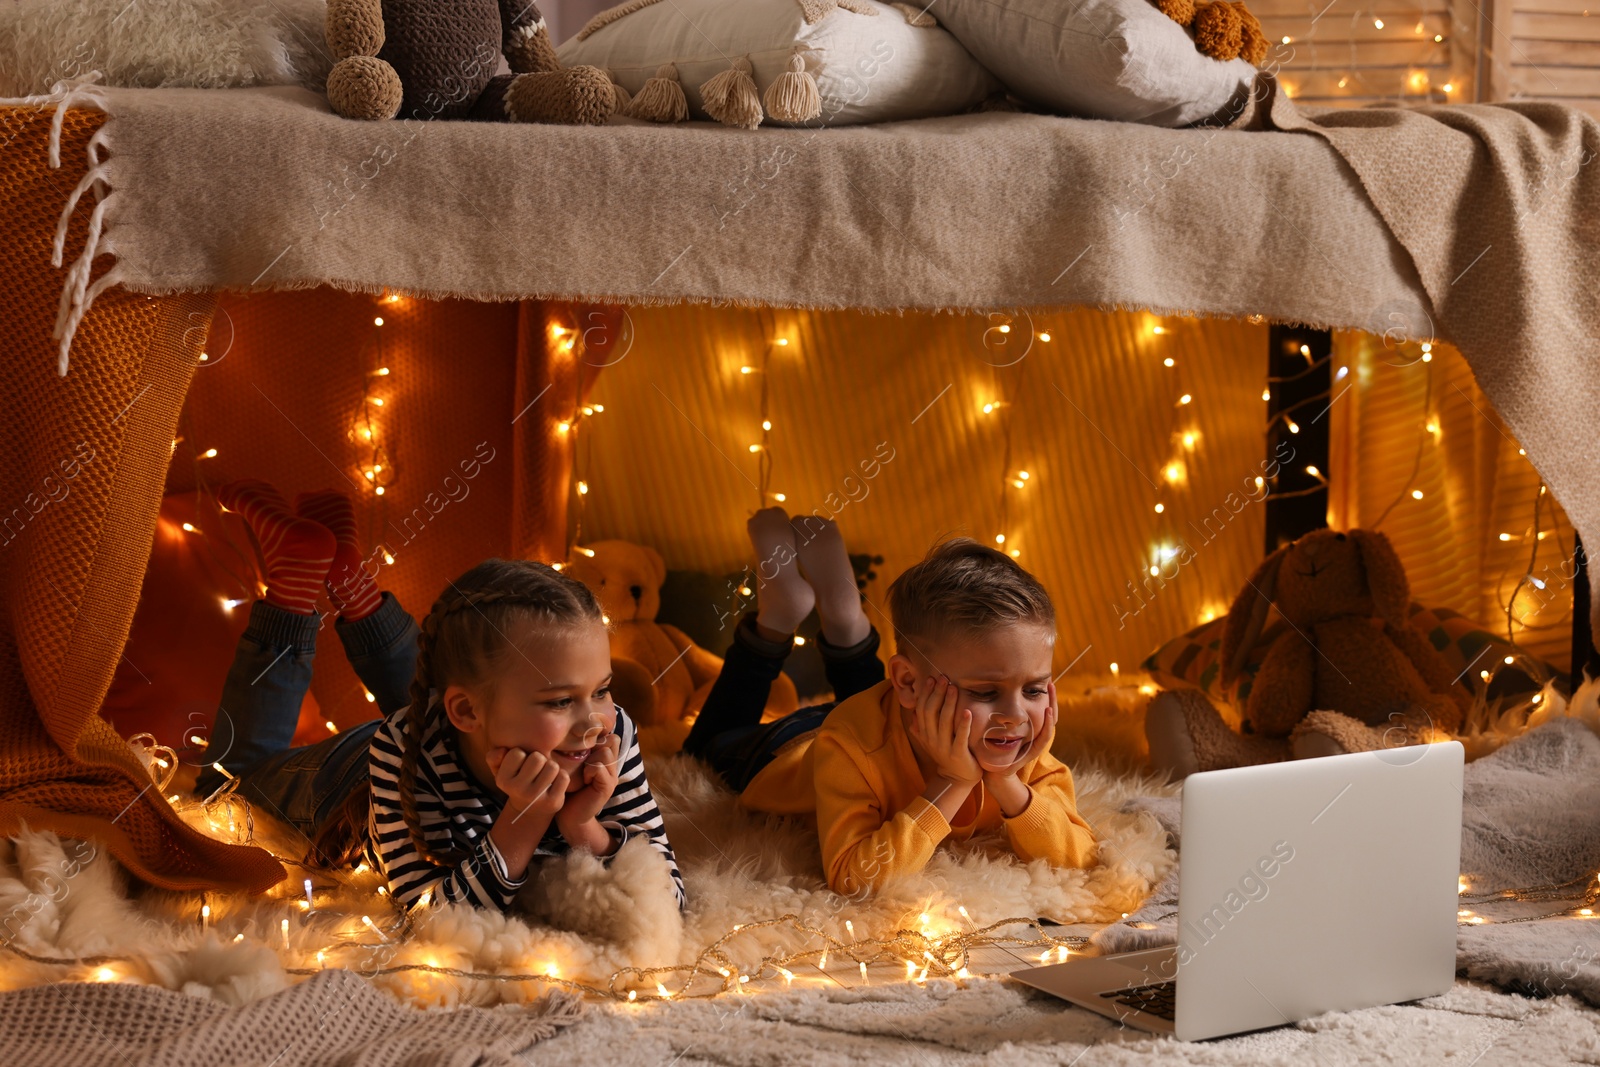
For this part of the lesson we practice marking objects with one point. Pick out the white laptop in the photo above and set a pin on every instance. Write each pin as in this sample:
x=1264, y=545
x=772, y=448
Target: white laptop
x=1315, y=885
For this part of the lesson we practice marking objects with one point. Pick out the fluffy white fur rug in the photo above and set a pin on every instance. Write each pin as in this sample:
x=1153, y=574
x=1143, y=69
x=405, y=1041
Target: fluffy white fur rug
x=206, y=44
x=585, y=920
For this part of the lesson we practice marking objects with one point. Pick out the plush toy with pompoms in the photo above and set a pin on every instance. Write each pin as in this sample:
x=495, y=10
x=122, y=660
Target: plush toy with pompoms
x=1223, y=30
x=437, y=59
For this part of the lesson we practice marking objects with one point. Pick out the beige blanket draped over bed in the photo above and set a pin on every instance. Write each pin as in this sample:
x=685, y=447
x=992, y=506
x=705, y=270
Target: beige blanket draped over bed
x=1478, y=224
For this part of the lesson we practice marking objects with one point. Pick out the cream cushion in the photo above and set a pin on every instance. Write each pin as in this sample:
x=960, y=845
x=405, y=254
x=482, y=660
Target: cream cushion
x=868, y=67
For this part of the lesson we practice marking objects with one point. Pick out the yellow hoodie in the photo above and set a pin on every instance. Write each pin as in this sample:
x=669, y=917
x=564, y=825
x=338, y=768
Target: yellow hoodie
x=858, y=773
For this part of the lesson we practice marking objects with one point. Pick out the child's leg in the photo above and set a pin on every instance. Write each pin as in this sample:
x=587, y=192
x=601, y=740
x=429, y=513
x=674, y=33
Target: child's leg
x=382, y=648
x=762, y=639
x=271, y=669
x=261, y=697
x=849, y=641
x=379, y=636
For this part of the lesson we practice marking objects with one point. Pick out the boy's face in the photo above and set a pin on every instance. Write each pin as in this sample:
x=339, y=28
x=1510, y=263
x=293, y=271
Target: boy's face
x=1002, y=675
x=553, y=697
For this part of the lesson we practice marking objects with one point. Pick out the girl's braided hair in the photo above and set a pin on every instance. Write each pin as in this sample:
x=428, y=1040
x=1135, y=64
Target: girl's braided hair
x=464, y=641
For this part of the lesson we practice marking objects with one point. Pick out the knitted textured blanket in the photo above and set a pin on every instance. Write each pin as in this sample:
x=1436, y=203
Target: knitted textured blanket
x=333, y=1018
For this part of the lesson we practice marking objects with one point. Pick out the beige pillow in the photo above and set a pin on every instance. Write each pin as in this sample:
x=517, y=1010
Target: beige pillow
x=810, y=62
x=1102, y=59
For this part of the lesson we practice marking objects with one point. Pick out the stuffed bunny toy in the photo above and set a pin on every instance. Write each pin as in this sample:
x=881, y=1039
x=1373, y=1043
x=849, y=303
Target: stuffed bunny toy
x=1346, y=672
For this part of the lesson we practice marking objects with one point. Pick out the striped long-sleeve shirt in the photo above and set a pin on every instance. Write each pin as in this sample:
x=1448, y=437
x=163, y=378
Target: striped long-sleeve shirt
x=455, y=814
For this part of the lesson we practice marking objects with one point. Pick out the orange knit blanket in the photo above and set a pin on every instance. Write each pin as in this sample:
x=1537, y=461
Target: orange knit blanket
x=82, y=466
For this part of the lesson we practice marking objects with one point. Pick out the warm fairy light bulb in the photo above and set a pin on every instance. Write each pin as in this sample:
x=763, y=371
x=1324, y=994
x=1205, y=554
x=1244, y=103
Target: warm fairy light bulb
x=1168, y=362
x=633, y=995
x=1294, y=427
x=1305, y=350
x=755, y=448
x=605, y=619
x=747, y=370
x=381, y=371
x=1511, y=659
x=1160, y=508
x=1427, y=357
x=370, y=699
x=379, y=490
x=1044, y=337
x=999, y=539
x=1505, y=537
x=376, y=401
x=1189, y=439
x=1416, y=494
x=1158, y=329
x=563, y=427
x=1015, y=552
x=798, y=640
x=863, y=967
x=779, y=497
x=661, y=991
x=209, y=453
x=190, y=528
x=366, y=433
x=205, y=914
x=911, y=968
x=1154, y=571
x=988, y=408
x=105, y=974
x=1313, y=471
x=822, y=961
x=766, y=424
x=1185, y=398
x=1339, y=375
x=1266, y=394
x=205, y=357
x=788, y=975
x=583, y=488
x=587, y=551
x=1115, y=669
x=783, y=341
x=851, y=928
x=1484, y=675
x=744, y=590
x=1448, y=87
x=1005, y=329
x=587, y=410
x=1062, y=953
x=332, y=729
x=229, y=603
x=599, y=407
x=283, y=927
x=377, y=320
x=1023, y=475
x=551, y=970
x=1173, y=472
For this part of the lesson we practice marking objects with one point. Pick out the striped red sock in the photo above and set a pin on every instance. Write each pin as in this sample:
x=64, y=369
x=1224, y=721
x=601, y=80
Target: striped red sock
x=350, y=588
x=297, y=551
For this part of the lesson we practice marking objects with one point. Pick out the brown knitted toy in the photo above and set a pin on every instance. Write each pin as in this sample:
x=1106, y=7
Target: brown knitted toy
x=1347, y=673
x=1222, y=30
x=427, y=59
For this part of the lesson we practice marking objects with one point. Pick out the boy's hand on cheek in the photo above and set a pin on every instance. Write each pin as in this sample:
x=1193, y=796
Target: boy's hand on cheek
x=944, y=733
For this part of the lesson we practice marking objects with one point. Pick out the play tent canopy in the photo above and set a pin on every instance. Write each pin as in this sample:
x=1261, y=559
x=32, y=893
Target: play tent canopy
x=1475, y=224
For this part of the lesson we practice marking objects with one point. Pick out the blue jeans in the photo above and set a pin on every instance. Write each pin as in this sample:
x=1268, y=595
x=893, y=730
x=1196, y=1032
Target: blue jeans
x=261, y=706
x=729, y=734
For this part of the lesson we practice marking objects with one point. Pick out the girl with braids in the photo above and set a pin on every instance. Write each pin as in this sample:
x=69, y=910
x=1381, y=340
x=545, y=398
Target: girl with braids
x=499, y=742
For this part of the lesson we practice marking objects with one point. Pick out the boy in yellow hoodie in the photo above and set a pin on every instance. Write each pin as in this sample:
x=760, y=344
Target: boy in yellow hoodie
x=954, y=738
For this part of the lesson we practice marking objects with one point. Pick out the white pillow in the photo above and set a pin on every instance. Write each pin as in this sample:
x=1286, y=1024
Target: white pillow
x=872, y=67
x=1104, y=59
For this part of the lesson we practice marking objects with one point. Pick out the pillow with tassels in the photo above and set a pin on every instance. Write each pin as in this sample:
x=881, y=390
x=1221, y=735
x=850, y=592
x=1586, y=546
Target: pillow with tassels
x=779, y=62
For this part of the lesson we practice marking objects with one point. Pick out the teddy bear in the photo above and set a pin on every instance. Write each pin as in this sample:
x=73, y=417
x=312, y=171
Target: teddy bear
x=1345, y=673
x=1222, y=30
x=438, y=59
x=660, y=676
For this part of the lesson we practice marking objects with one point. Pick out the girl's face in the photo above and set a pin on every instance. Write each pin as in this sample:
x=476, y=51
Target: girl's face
x=552, y=697
x=1003, y=675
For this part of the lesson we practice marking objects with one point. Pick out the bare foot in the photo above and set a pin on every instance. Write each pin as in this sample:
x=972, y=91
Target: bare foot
x=827, y=567
x=784, y=598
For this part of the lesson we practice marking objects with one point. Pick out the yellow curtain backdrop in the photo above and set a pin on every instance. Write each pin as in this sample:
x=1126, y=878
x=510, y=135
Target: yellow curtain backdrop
x=1414, y=425
x=1098, y=421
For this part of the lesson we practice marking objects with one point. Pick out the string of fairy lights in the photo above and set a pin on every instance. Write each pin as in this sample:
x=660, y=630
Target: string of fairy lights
x=1309, y=80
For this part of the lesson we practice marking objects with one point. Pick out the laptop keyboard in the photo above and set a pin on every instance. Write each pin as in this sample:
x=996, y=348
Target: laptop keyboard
x=1159, y=1000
